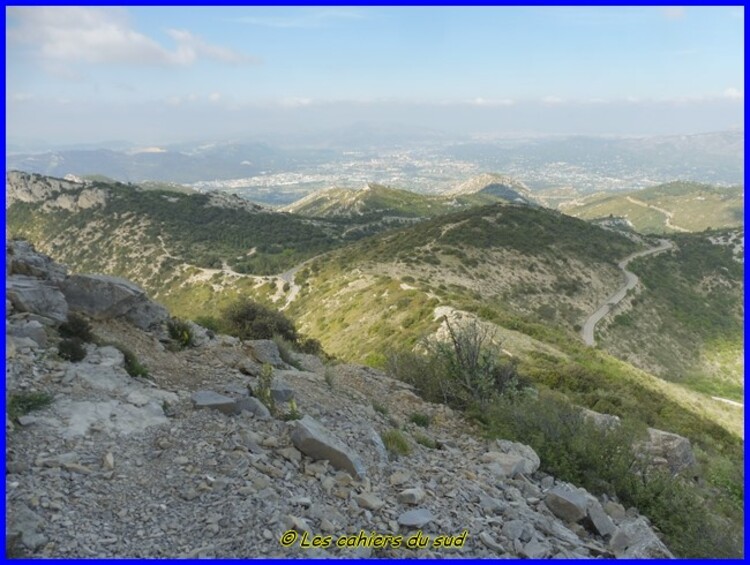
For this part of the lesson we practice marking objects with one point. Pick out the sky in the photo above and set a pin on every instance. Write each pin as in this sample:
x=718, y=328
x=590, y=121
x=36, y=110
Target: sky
x=161, y=75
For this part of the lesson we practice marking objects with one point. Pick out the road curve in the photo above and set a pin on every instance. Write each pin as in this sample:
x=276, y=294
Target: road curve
x=630, y=280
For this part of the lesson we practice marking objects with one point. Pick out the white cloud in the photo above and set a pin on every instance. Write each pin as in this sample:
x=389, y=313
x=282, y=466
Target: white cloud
x=491, y=102
x=294, y=102
x=733, y=94
x=552, y=100
x=67, y=35
x=315, y=18
x=214, y=96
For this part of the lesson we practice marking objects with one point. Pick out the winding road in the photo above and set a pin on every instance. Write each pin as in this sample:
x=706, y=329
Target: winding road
x=587, y=332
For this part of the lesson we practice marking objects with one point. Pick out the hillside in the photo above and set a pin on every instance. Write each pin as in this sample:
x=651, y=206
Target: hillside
x=675, y=207
x=693, y=300
x=200, y=454
x=375, y=201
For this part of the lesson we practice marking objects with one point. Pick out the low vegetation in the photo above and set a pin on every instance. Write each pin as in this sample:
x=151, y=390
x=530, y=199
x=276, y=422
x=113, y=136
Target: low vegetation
x=21, y=403
x=72, y=349
x=181, y=332
x=395, y=442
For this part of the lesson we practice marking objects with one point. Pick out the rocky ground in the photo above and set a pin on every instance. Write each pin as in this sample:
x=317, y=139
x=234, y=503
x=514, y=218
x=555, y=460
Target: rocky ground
x=185, y=463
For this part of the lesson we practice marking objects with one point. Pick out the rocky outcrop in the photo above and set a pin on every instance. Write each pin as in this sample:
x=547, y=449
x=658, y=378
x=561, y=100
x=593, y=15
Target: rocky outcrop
x=38, y=296
x=52, y=192
x=102, y=297
x=669, y=451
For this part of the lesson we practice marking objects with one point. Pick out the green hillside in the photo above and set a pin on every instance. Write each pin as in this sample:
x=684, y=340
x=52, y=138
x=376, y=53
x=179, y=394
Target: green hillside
x=693, y=300
x=376, y=201
x=668, y=208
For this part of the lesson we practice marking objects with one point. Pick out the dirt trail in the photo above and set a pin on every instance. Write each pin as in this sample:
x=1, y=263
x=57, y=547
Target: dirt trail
x=667, y=214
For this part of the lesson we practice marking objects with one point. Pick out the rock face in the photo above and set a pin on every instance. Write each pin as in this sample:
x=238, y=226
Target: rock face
x=605, y=421
x=103, y=297
x=315, y=441
x=668, y=450
x=266, y=351
x=29, y=294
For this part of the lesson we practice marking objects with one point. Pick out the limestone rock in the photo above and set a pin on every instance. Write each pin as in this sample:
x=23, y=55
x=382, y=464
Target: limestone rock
x=312, y=439
x=532, y=461
x=411, y=496
x=566, y=504
x=254, y=406
x=599, y=521
x=504, y=465
x=214, y=400
x=24, y=260
x=29, y=294
x=103, y=297
x=417, y=518
x=266, y=351
x=674, y=449
x=640, y=541
x=603, y=421
x=368, y=501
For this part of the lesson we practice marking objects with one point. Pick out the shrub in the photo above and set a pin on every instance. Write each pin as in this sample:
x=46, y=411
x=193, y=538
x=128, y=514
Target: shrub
x=263, y=390
x=421, y=420
x=181, y=332
x=72, y=349
x=395, y=442
x=286, y=350
x=247, y=319
x=603, y=462
x=379, y=408
x=466, y=370
x=133, y=366
x=76, y=326
x=209, y=322
x=21, y=403
x=425, y=441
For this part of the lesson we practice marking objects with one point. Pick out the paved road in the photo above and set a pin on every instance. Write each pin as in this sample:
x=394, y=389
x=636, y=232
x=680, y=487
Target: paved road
x=630, y=280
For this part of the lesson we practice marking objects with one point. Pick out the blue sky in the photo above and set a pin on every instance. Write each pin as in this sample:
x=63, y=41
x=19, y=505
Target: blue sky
x=144, y=73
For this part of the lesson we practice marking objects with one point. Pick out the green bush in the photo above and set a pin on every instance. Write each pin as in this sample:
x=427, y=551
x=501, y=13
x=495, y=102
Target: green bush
x=21, y=403
x=395, y=442
x=603, y=461
x=263, y=389
x=466, y=370
x=71, y=349
x=421, y=420
x=286, y=351
x=379, y=408
x=181, y=332
x=247, y=319
x=425, y=441
x=133, y=366
x=76, y=326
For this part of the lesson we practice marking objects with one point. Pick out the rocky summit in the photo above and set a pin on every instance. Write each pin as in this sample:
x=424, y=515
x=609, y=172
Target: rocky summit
x=184, y=460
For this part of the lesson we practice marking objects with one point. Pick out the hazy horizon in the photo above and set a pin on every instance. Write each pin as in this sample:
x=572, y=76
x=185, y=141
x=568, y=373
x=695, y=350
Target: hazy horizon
x=155, y=76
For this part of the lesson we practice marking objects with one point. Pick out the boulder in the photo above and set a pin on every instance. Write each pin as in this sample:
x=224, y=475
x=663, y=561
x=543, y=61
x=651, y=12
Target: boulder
x=32, y=330
x=312, y=439
x=213, y=400
x=668, y=450
x=266, y=351
x=602, y=421
x=504, y=465
x=532, y=461
x=598, y=521
x=103, y=297
x=24, y=260
x=281, y=392
x=636, y=540
x=29, y=294
x=411, y=496
x=254, y=406
x=566, y=504
x=417, y=518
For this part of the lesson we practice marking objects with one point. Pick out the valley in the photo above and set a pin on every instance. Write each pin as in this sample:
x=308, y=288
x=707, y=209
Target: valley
x=374, y=274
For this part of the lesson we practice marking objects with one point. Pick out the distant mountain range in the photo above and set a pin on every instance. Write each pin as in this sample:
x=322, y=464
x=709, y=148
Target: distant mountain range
x=586, y=163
